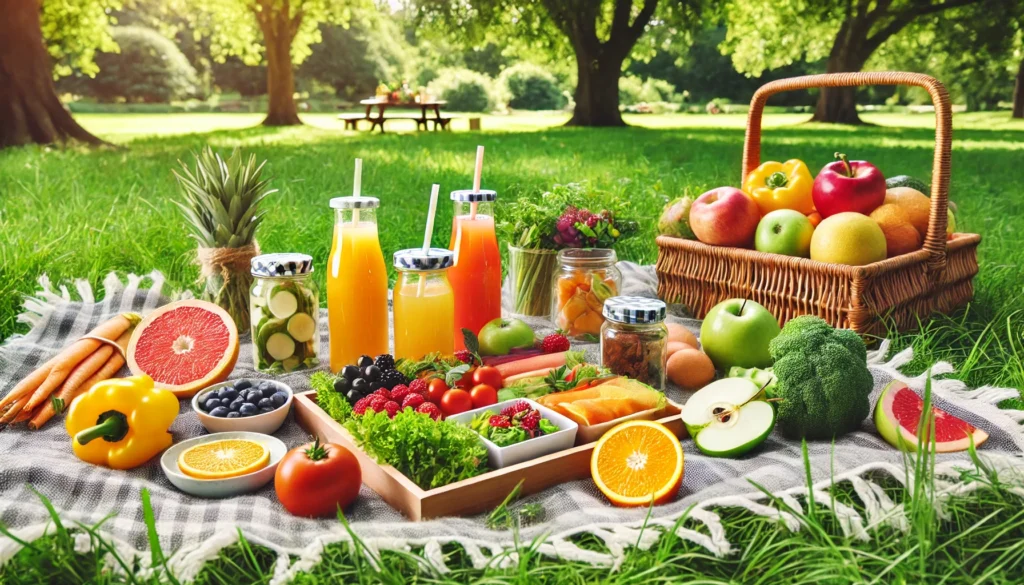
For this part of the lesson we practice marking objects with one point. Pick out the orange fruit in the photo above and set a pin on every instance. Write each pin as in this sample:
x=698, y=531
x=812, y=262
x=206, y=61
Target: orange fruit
x=223, y=459
x=636, y=462
x=900, y=236
x=848, y=238
x=915, y=203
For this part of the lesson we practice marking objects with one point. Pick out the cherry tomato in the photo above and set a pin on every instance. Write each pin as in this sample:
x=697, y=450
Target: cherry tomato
x=466, y=381
x=316, y=479
x=436, y=390
x=483, y=395
x=456, y=401
x=488, y=375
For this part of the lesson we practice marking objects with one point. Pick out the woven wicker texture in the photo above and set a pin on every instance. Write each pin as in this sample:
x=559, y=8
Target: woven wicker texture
x=904, y=289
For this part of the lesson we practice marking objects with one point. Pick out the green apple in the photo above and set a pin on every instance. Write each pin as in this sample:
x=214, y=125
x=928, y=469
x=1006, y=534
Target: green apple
x=729, y=417
x=786, y=232
x=736, y=332
x=501, y=336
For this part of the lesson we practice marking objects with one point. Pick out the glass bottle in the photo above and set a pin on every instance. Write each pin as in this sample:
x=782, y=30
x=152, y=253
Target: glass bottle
x=476, y=275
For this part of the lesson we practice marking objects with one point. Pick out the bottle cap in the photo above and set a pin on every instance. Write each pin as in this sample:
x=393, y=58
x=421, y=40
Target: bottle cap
x=354, y=202
x=415, y=259
x=471, y=196
x=287, y=264
x=634, y=310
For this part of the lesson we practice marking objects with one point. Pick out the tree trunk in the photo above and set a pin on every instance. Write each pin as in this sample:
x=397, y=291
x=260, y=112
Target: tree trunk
x=281, y=110
x=597, y=91
x=1018, y=93
x=30, y=111
x=838, y=105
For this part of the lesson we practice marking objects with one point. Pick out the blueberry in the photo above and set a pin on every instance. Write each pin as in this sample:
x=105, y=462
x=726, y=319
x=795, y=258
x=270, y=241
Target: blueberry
x=279, y=399
x=234, y=415
x=219, y=412
x=242, y=385
x=214, y=394
x=353, y=396
x=268, y=392
x=248, y=409
x=350, y=373
x=364, y=361
x=265, y=403
x=236, y=404
x=253, y=396
x=210, y=404
x=266, y=410
x=360, y=385
x=202, y=404
x=371, y=373
x=228, y=394
x=341, y=385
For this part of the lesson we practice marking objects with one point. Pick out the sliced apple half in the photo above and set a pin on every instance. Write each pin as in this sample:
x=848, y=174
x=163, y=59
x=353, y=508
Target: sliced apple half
x=729, y=417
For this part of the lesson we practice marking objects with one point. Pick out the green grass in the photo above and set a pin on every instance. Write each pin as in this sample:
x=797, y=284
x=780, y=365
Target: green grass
x=74, y=213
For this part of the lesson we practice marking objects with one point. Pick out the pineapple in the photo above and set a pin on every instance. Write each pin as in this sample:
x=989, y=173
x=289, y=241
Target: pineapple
x=222, y=206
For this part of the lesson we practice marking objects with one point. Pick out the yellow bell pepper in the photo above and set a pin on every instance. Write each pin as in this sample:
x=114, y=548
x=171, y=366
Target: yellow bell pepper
x=785, y=185
x=121, y=423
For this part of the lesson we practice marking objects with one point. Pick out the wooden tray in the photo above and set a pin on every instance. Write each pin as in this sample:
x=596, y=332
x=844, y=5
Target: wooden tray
x=469, y=496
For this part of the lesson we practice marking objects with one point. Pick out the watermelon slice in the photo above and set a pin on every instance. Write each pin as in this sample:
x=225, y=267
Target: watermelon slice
x=898, y=414
x=184, y=346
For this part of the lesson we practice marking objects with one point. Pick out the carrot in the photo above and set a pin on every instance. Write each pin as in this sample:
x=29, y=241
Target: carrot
x=29, y=384
x=68, y=392
x=533, y=364
x=14, y=410
x=77, y=352
x=541, y=373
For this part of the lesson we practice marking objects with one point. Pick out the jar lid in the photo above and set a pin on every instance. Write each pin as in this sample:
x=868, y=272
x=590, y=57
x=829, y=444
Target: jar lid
x=352, y=202
x=415, y=259
x=287, y=264
x=469, y=195
x=634, y=310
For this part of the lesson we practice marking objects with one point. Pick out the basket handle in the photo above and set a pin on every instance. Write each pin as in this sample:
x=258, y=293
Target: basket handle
x=935, y=239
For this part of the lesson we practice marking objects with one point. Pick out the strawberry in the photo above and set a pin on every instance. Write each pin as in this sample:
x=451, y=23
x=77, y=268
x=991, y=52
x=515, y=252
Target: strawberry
x=500, y=421
x=413, y=401
x=465, y=356
x=419, y=386
x=530, y=420
x=391, y=407
x=360, y=406
x=515, y=408
x=384, y=393
x=554, y=343
x=376, y=402
x=399, y=392
x=431, y=409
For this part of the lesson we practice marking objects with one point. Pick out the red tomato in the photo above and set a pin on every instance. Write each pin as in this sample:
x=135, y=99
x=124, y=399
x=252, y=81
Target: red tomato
x=488, y=375
x=483, y=395
x=436, y=390
x=466, y=381
x=314, y=480
x=456, y=401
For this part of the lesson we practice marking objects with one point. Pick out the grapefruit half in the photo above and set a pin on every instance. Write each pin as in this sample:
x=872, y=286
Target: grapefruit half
x=184, y=346
x=898, y=414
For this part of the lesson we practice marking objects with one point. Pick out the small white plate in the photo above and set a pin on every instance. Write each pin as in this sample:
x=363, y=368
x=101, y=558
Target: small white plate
x=499, y=457
x=222, y=488
x=267, y=422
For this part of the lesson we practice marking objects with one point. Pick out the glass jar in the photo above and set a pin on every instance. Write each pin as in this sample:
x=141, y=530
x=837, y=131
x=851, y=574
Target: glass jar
x=476, y=274
x=633, y=339
x=284, y=309
x=586, y=278
x=424, y=303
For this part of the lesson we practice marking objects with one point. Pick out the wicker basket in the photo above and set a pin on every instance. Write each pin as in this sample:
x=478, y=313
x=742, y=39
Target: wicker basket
x=904, y=289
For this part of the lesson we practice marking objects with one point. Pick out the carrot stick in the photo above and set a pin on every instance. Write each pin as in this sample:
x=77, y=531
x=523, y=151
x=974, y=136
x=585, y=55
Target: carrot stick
x=29, y=384
x=548, y=360
x=77, y=352
x=68, y=393
x=13, y=410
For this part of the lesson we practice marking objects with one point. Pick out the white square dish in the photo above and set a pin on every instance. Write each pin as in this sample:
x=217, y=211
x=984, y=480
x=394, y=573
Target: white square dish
x=499, y=457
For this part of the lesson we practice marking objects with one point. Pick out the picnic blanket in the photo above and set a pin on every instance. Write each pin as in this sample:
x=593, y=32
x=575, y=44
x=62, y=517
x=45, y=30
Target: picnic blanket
x=196, y=529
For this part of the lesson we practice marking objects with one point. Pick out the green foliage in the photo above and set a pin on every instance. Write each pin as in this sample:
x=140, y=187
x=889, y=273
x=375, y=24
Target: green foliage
x=823, y=379
x=74, y=30
x=234, y=75
x=353, y=60
x=531, y=87
x=466, y=91
x=148, y=68
x=333, y=403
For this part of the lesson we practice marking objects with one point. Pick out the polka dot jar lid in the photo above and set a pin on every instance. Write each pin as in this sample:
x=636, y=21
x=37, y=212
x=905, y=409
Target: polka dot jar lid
x=634, y=310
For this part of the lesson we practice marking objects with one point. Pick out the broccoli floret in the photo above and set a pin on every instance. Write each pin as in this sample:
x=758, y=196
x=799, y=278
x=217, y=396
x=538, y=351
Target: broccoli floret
x=823, y=379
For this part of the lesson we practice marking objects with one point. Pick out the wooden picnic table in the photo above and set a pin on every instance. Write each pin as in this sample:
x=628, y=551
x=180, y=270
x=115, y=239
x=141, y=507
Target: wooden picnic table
x=382, y=105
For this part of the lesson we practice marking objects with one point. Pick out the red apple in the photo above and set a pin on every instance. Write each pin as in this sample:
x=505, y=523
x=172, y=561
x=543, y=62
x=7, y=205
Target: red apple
x=725, y=216
x=848, y=185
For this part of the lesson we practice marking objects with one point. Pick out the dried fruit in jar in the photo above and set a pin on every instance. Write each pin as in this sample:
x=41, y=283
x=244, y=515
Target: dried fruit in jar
x=581, y=297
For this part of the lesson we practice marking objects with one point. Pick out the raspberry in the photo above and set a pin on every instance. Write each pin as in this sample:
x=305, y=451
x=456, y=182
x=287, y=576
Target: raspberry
x=419, y=386
x=398, y=393
x=412, y=401
x=464, y=356
x=383, y=392
x=429, y=408
x=554, y=343
x=530, y=420
x=391, y=407
x=360, y=406
x=515, y=408
x=500, y=421
x=592, y=220
x=376, y=402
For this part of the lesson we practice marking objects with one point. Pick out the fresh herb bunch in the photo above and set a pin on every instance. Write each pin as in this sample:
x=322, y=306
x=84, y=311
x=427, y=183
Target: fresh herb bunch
x=430, y=453
x=433, y=362
x=562, y=218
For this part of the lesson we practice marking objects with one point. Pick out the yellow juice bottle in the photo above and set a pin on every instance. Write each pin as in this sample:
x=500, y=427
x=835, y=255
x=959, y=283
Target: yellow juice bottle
x=357, y=283
x=424, y=304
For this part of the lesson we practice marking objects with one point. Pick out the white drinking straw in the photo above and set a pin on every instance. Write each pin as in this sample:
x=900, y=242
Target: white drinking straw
x=428, y=234
x=357, y=186
x=476, y=179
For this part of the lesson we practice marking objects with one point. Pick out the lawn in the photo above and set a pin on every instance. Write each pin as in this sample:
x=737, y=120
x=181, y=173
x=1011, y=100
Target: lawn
x=76, y=213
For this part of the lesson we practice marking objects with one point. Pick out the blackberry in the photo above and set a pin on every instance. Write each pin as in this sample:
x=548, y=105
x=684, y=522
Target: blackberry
x=391, y=378
x=385, y=362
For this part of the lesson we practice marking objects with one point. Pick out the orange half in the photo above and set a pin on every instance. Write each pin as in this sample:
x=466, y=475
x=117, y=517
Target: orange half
x=223, y=459
x=637, y=462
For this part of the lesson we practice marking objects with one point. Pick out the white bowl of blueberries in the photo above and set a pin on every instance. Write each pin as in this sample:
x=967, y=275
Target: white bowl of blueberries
x=258, y=406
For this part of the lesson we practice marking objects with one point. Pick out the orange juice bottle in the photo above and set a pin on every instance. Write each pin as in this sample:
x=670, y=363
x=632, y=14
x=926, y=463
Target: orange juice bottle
x=424, y=304
x=476, y=275
x=357, y=283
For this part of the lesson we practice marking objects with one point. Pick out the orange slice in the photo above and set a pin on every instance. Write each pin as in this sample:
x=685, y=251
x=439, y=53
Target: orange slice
x=637, y=462
x=223, y=459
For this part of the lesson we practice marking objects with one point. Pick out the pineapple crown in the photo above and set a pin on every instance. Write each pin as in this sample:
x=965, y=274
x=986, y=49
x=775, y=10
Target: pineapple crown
x=222, y=198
